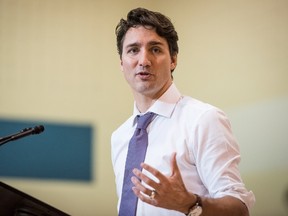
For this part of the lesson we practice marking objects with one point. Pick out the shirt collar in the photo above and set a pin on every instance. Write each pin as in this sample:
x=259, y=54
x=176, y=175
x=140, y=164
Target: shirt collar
x=164, y=105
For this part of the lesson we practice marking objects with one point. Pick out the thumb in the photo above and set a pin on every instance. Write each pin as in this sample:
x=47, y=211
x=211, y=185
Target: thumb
x=174, y=166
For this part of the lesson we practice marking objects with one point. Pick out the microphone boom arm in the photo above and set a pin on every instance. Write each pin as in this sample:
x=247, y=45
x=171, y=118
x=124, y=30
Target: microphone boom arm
x=22, y=133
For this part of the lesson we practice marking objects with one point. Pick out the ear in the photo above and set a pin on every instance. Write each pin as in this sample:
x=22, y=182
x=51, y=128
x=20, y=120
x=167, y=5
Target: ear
x=173, y=62
x=121, y=65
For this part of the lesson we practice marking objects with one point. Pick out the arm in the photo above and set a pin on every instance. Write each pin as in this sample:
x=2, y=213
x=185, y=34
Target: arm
x=227, y=205
x=172, y=194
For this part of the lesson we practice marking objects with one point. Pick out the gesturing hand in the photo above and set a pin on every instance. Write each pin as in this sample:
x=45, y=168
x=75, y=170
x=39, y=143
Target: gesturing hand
x=170, y=191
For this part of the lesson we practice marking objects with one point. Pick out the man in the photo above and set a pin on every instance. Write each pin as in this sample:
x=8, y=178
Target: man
x=191, y=162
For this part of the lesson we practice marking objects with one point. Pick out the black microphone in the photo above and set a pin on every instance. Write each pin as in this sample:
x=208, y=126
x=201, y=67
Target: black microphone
x=23, y=133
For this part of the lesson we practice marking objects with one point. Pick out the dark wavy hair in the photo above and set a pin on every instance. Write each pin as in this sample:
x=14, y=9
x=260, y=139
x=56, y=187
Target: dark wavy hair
x=150, y=19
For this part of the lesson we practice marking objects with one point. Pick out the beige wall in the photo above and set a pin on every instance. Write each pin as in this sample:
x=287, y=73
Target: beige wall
x=58, y=62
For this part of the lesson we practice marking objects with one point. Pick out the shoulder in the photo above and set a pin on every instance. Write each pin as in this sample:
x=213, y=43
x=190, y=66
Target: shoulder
x=198, y=108
x=199, y=115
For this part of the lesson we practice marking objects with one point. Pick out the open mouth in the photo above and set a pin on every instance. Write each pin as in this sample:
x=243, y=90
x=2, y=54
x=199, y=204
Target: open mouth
x=143, y=75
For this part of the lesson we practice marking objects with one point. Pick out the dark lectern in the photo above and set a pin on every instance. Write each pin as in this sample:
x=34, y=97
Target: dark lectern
x=16, y=203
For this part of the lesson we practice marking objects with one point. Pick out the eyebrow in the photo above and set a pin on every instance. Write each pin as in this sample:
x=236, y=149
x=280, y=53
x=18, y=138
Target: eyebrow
x=151, y=43
x=156, y=43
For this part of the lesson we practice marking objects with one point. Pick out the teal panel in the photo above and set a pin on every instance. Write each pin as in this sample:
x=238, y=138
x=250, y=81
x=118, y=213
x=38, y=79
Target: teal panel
x=62, y=151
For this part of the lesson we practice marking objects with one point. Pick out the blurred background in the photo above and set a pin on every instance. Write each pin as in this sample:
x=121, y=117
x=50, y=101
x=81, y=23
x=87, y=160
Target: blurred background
x=58, y=63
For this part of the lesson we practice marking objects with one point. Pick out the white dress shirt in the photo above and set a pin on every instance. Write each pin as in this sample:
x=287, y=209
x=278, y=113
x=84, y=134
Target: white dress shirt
x=207, y=152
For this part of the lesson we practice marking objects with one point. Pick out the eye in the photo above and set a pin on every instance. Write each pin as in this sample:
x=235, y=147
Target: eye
x=156, y=49
x=133, y=50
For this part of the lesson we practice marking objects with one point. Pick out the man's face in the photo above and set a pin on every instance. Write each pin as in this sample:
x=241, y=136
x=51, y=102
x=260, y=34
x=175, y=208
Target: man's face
x=146, y=62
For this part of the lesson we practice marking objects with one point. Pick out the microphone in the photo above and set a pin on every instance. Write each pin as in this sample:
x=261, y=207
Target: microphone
x=23, y=133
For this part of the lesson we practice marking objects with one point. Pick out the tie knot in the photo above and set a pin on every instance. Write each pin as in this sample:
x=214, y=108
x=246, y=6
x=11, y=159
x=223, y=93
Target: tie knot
x=144, y=120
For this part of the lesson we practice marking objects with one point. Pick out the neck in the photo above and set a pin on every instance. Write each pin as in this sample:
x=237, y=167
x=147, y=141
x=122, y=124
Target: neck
x=144, y=103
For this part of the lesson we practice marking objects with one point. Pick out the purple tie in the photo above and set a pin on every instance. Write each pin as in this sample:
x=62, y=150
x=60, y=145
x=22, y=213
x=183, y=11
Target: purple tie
x=136, y=154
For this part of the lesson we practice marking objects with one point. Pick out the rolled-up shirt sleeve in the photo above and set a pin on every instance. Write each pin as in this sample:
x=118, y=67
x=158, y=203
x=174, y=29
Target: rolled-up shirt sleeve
x=217, y=157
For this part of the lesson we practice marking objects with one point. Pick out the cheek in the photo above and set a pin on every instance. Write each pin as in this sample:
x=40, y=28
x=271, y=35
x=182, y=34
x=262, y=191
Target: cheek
x=127, y=66
x=124, y=68
x=126, y=72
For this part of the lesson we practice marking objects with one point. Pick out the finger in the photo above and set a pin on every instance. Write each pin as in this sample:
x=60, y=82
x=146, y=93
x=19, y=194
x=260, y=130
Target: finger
x=174, y=165
x=145, y=178
x=143, y=197
x=140, y=191
x=153, y=171
x=140, y=187
x=175, y=171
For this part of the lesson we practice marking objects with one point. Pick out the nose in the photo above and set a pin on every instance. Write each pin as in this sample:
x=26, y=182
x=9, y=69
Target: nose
x=144, y=59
